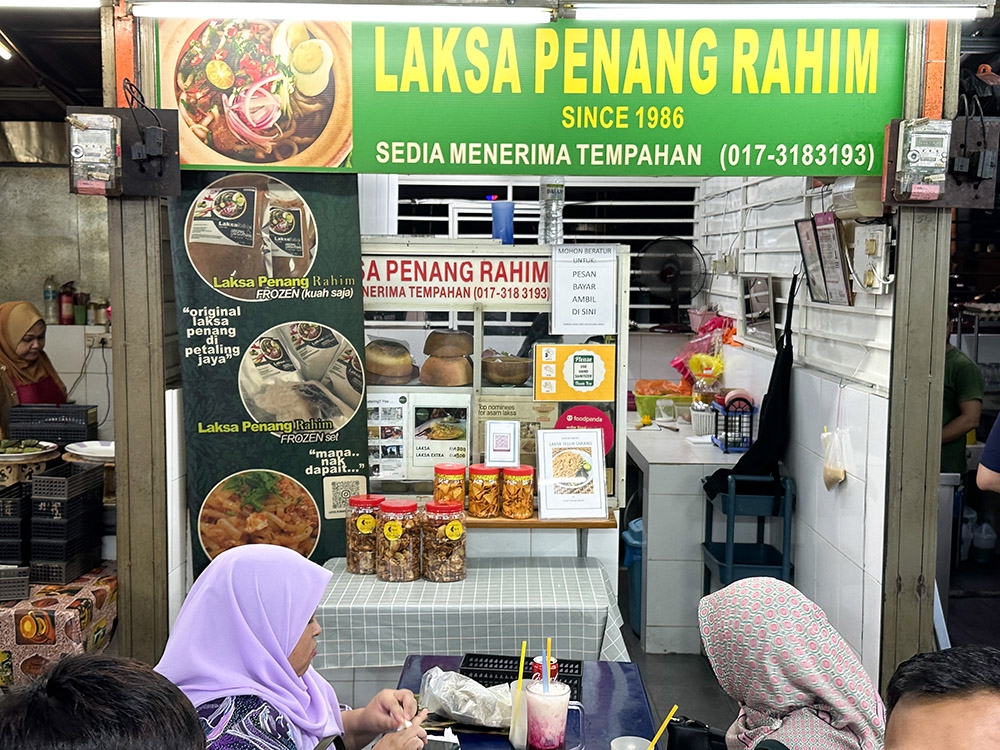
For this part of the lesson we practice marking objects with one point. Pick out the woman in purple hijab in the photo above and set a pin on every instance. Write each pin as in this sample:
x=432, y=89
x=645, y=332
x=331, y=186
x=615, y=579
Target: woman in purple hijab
x=241, y=650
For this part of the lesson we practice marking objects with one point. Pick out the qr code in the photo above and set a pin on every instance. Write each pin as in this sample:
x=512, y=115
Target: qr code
x=501, y=442
x=338, y=490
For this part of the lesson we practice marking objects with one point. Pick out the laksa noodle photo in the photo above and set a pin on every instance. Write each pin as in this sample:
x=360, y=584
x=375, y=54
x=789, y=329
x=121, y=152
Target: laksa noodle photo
x=263, y=92
x=573, y=472
x=258, y=507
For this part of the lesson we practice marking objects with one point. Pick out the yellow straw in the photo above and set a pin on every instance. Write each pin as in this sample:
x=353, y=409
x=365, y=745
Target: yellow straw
x=652, y=742
x=548, y=662
x=520, y=669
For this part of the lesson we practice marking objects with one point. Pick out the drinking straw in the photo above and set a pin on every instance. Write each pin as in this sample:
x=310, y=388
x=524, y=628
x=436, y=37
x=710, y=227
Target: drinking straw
x=520, y=669
x=652, y=742
x=548, y=662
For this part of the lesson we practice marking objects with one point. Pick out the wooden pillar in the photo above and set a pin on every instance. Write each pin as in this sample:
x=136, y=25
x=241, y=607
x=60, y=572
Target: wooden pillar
x=916, y=387
x=134, y=232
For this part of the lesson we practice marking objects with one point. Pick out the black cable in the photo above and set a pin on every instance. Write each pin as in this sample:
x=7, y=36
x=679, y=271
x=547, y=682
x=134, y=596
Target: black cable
x=130, y=90
x=982, y=119
x=133, y=95
x=107, y=384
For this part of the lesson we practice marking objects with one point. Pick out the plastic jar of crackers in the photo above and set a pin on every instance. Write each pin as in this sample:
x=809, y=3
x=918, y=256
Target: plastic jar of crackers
x=362, y=513
x=518, y=492
x=397, y=541
x=484, y=491
x=449, y=483
x=444, y=542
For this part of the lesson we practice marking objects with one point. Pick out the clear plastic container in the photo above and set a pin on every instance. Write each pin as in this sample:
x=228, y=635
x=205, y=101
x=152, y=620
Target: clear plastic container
x=443, y=542
x=449, y=483
x=484, y=491
x=518, y=492
x=397, y=541
x=704, y=391
x=551, y=198
x=362, y=517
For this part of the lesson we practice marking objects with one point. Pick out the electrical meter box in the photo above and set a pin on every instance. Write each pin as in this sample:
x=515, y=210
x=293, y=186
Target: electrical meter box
x=922, y=159
x=95, y=154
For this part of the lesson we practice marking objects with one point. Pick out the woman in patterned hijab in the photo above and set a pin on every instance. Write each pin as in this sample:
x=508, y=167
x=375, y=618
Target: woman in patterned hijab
x=795, y=678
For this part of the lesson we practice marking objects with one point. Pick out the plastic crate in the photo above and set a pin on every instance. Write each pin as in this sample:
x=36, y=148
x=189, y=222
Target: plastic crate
x=15, y=500
x=14, y=584
x=58, y=550
x=64, y=572
x=63, y=423
x=14, y=528
x=67, y=481
x=91, y=521
x=45, y=508
x=492, y=669
x=12, y=551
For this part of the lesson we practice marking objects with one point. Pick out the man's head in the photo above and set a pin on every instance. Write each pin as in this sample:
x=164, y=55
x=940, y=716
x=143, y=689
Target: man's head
x=96, y=702
x=943, y=699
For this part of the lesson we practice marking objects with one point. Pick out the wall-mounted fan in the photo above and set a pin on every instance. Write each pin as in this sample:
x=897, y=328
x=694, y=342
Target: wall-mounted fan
x=671, y=271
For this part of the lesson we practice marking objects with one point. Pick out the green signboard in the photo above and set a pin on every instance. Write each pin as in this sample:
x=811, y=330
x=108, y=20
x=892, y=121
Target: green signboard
x=795, y=98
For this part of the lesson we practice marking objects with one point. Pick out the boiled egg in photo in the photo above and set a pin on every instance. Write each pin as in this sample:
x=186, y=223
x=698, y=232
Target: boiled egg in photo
x=312, y=61
x=287, y=36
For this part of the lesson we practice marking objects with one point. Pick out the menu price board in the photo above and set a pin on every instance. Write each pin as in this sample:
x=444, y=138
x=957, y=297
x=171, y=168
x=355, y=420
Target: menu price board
x=270, y=326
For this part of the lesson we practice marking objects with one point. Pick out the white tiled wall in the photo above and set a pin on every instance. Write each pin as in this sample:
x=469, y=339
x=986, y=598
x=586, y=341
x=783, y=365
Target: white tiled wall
x=649, y=355
x=838, y=535
x=64, y=346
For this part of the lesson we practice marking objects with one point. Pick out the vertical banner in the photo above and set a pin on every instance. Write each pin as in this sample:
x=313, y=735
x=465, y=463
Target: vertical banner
x=271, y=327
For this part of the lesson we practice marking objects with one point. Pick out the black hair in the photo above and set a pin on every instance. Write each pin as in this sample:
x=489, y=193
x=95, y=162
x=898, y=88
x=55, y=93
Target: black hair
x=956, y=671
x=98, y=702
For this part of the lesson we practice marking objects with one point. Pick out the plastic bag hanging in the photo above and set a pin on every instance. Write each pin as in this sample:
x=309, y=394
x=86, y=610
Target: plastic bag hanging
x=834, y=463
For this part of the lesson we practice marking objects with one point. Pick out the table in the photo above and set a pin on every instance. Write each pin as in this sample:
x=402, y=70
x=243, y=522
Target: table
x=371, y=623
x=673, y=509
x=57, y=620
x=612, y=693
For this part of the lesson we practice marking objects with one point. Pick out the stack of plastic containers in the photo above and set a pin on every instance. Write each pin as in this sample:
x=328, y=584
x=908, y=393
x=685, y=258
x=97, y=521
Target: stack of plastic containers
x=67, y=513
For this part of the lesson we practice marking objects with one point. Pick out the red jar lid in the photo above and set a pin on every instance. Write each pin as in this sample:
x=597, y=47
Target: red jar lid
x=483, y=470
x=398, y=506
x=366, y=501
x=519, y=471
x=440, y=507
x=449, y=469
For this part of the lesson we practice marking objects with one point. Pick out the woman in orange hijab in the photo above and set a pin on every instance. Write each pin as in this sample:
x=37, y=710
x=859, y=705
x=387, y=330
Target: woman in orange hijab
x=26, y=374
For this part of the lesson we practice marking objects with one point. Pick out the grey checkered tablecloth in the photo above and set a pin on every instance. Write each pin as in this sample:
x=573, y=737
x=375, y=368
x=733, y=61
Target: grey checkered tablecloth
x=370, y=623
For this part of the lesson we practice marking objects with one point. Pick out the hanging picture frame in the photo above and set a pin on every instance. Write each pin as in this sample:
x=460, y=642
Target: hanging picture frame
x=812, y=262
x=833, y=252
x=757, y=309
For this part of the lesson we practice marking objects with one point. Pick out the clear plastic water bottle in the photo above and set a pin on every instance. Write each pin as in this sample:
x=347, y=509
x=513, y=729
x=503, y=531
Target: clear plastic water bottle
x=551, y=197
x=51, y=296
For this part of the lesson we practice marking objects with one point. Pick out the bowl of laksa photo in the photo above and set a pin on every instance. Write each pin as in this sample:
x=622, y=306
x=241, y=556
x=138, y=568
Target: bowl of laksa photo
x=259, y=506
x=253, y=91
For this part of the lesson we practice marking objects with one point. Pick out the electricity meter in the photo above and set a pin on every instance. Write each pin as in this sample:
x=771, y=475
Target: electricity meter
x=922, y=159
x=95, y=154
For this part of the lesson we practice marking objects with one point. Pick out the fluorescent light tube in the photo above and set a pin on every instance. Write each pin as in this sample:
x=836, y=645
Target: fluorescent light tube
x=457, y=14
x=51, y=4
x=772, y=11
x=5, y=54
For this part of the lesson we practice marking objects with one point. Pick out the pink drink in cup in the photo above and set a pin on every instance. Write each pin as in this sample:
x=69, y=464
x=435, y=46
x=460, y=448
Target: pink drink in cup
x=547, y=714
